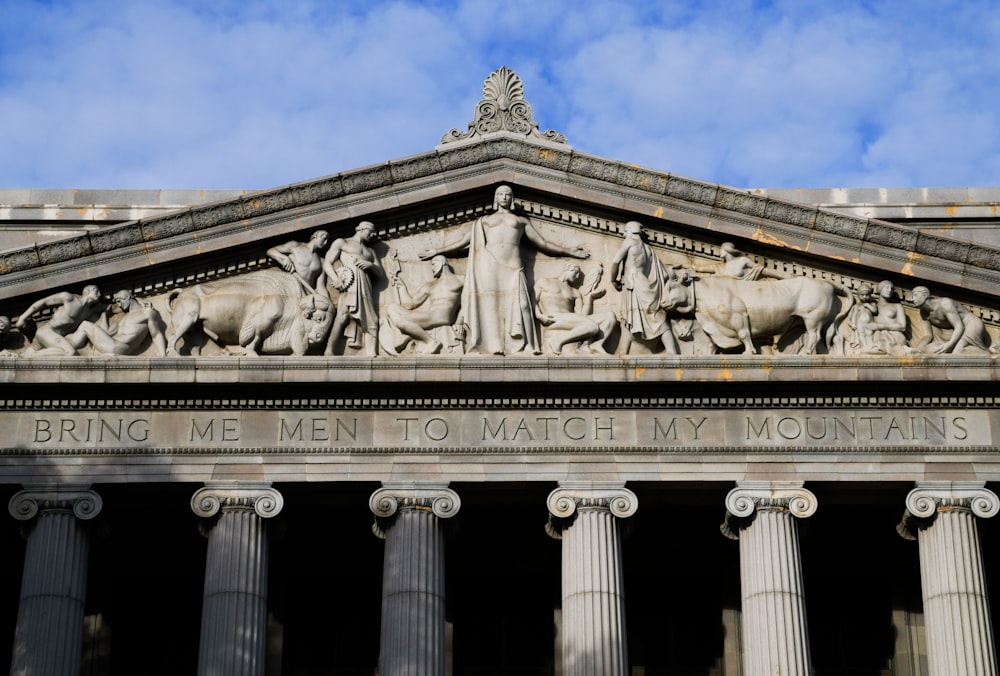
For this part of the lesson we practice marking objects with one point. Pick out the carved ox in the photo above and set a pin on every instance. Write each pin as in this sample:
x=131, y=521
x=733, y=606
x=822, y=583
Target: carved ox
x=734, y=312
x=265, y=312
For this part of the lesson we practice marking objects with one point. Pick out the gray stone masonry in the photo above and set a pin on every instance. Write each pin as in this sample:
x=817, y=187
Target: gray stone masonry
x=413, y=621
x=942, y=517
x=234, y=611
x=49, y=635
x=593, y=594
x=760, y=515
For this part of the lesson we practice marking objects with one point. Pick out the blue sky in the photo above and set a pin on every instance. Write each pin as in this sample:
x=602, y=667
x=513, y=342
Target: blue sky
x=248, y=94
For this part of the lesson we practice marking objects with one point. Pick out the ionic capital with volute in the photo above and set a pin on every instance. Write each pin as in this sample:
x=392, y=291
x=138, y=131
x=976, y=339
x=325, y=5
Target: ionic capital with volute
x=930, y=497
x=84, y=503
x=750, y=497
x=221, y=495
x=574, y=496
x=393, y=496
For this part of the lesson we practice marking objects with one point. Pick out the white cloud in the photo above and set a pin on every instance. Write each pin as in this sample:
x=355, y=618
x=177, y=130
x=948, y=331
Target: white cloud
x=250, y=95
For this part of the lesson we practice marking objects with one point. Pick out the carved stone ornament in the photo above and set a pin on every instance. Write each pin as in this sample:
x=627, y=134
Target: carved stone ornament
x=503, y=108
x=751, y=496
x=396, y=495
x=257, y=495
x=572, y=496
x=85, y=503
x=929, y=497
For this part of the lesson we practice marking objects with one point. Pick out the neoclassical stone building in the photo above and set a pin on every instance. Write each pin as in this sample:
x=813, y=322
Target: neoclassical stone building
x=503, y=407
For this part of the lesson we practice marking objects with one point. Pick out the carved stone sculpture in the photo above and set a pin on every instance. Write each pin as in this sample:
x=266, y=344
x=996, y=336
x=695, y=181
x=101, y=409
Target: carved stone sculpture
x=736, y=265
x=503, y=108
x=734, y=312
x=264, y=312
x=641, y=278
x=890, y=323
x=351, y=265
x=855, y=335
x=566, y=311
x=303, y=260
x=436, y=304
x=70, y=311
x=128, y=335
x=963, y=331
x=496, y=303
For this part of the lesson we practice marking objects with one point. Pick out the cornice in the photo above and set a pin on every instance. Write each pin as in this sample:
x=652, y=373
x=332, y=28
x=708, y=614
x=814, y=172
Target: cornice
x=420, y=178
x=664, y=369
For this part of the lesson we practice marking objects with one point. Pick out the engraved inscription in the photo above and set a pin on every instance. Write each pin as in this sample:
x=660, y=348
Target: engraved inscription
x=215, y=429
x=858, y=428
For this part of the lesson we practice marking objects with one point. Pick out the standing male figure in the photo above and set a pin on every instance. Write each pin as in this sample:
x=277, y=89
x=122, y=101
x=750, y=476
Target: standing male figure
x=350, y=265
x=640, y=277
x=303, y=260
x=70, y=311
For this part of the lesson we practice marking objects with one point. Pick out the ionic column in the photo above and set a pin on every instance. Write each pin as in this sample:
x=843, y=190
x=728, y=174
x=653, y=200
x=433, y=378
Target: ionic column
x=941, y=516
x=49, y=634
x=593, y=594
x=775, y=639
x=234, y=611
x=413, y=622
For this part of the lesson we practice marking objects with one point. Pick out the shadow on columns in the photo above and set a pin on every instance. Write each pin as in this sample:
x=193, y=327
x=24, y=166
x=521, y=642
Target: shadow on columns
x=143, y=607
x=682, y=581
x=11, y=565
x=862, y=582
x=503, y=586
x=325, y=592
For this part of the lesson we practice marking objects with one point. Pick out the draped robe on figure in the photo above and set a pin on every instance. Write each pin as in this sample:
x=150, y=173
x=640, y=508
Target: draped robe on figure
x=497, y=304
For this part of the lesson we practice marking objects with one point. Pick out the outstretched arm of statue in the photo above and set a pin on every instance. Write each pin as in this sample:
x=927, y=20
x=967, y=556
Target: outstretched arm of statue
x=458, y=244
x=553, y=248
x=49, y=301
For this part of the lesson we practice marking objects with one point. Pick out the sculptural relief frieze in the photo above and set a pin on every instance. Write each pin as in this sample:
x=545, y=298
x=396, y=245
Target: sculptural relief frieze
x=505, y=281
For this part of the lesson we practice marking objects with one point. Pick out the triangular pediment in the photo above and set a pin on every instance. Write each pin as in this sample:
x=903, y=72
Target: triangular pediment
x=422, y=202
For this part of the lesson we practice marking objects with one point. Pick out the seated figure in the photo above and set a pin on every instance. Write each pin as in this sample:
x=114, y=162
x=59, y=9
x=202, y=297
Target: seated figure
x=435, y=304
x=566, y=311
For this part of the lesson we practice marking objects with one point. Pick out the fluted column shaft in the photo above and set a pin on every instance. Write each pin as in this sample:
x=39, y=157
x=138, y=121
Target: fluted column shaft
x=413, y=620
x=593, y=592
x=234, y=609
x=761, y=516
x=49, y=635
x=956, y=610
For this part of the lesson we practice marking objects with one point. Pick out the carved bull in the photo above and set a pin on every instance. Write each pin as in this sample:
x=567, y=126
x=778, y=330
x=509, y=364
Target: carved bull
x=734, y=312
x=265, y=312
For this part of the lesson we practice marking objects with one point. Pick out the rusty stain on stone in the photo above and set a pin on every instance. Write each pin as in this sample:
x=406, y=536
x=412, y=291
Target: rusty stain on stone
x=658, y=213
x=907, y=268
x=638, y=372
